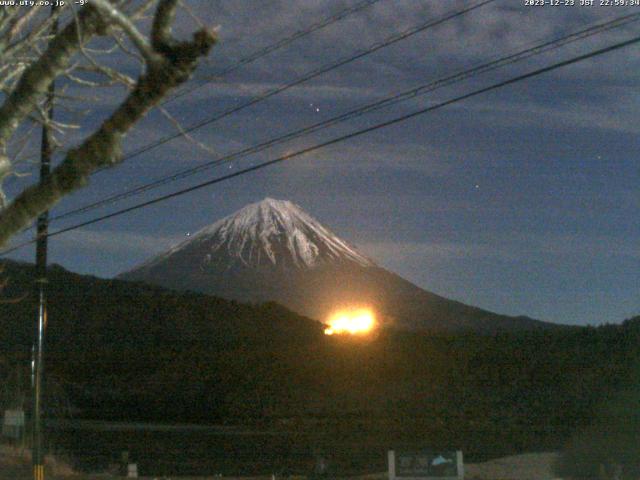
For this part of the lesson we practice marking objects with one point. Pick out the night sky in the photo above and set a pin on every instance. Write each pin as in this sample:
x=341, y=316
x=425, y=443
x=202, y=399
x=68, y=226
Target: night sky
x=522, y=201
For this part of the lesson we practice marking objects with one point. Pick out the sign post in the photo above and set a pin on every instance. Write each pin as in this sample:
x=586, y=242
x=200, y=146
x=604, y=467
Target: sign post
x=46, y=149
x=426, y=465
x=13, y=424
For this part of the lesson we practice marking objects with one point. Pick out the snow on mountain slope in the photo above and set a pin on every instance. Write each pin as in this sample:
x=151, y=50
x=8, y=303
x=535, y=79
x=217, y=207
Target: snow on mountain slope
x=274, y=251
x=267, y=233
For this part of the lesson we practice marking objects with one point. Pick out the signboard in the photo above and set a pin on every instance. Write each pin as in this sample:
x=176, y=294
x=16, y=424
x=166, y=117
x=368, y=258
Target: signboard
x=425, y=465
x=13, y=424
x=132, y=470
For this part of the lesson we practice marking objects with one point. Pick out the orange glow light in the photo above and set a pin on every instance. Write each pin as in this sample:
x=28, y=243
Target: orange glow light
x=358, y=321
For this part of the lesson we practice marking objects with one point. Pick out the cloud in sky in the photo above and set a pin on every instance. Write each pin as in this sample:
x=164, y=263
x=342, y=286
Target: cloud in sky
x=510, y=247
x=117, y=242
x=248, y=89
x=610, y=113
x=558, y=277
x=111, y=252
x=442, y=198
x=478, y=31
x=482, y=28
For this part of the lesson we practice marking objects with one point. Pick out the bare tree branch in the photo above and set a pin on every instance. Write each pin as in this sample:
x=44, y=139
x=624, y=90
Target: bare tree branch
x=186, y=134
x=37, y=77
x=17, y=25
x=141, y=10
x=38, y=32
x=103, y=148
x=161, y=28
x=117, y=17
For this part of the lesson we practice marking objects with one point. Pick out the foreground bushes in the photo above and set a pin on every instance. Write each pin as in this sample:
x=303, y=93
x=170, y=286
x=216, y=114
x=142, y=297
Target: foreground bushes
x=610, y=448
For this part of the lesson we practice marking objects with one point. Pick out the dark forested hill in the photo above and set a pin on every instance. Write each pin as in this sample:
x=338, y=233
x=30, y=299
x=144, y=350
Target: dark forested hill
x=125, y=351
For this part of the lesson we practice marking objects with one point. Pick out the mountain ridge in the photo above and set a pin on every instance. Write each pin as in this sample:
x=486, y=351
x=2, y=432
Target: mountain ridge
x=248, y=237
x=274, y=251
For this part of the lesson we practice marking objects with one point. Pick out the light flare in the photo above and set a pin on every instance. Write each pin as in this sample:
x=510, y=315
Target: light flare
x=358, y=321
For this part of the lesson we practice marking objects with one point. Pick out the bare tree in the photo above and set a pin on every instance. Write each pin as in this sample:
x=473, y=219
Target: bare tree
x=33, y=57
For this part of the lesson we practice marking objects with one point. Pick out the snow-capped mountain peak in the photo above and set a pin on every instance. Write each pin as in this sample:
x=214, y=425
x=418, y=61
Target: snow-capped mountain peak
x=268, y=233
x=275, y=251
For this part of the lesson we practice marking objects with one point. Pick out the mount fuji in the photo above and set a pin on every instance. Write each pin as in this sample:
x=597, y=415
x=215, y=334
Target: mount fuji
x=275, y=251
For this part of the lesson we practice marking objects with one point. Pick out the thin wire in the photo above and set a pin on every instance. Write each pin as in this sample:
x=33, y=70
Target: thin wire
x=342, y=138
x=313, y=74
x=273, y=47
x=408, y=94
x=277, y=45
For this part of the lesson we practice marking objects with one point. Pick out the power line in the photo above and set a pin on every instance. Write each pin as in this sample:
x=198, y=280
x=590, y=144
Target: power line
x=411, y=93
x=382, y=44
x=278, y=45
x=271, y=48
x=342, y=138
x=313, y=74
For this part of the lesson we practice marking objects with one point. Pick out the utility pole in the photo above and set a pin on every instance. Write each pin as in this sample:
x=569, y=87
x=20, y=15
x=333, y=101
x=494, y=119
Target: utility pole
x=46, y=148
